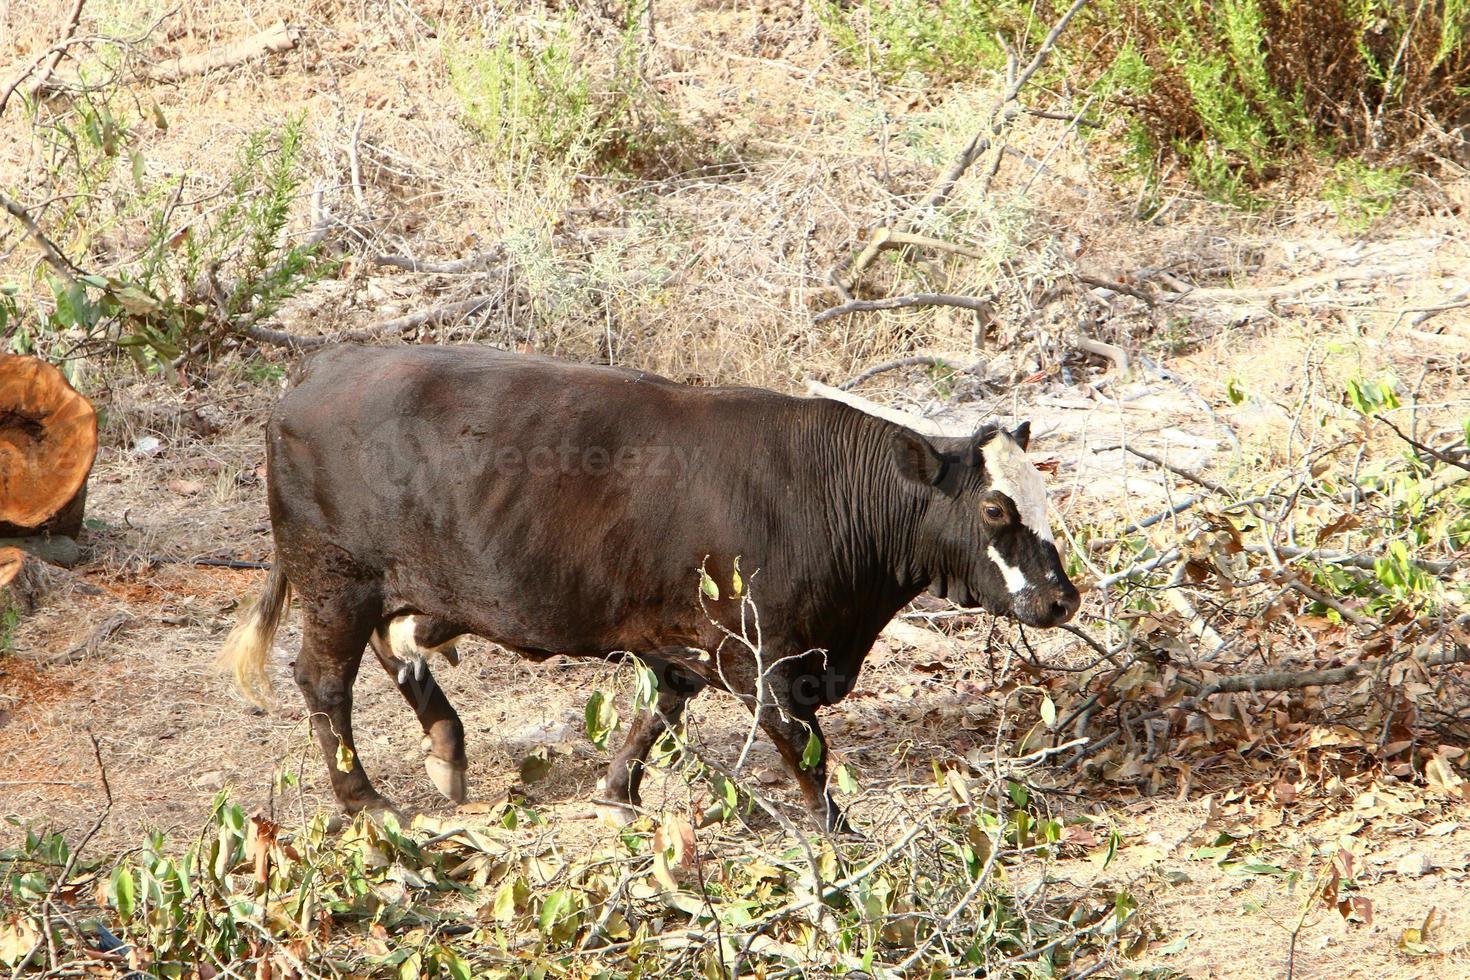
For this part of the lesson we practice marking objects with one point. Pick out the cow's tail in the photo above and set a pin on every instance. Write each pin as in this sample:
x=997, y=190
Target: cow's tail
x=245, y=650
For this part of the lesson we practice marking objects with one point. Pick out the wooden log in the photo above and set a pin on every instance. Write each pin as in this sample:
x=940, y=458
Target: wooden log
x=48, y=441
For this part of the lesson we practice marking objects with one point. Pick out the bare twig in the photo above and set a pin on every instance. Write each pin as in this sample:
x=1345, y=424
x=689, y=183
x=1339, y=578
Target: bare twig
x=1066, y=117
x=1351, y=615
x=1189, y=475
x=352, y=162
x=1286, y=290
x=1150, y=521
x=1136, y=292
x=920, y=360
x=1000, y=114
x=47, y=61
x=1421, y=447
x=54, y=257
x=975, y=303
x=1365, y=562
x=1457, y=302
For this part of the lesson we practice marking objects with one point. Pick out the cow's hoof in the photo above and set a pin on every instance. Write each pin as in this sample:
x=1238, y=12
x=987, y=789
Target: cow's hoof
x=449, y=779
x=375, y=810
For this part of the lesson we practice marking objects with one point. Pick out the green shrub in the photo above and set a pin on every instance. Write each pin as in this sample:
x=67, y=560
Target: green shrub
x=201, y=270
x=1361, y=194
x=945, y=40
x=1239, y=91
x=536, y=99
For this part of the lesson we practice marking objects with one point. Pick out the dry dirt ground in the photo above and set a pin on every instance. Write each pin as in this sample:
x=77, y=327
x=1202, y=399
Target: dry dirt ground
x=812, y=137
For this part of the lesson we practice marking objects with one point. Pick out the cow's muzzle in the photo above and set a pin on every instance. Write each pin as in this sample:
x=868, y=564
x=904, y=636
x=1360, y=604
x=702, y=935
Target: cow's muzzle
x=1048, y=607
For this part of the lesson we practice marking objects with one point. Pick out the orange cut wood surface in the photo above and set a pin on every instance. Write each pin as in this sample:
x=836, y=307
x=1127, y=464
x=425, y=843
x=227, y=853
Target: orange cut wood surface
x=48, y=440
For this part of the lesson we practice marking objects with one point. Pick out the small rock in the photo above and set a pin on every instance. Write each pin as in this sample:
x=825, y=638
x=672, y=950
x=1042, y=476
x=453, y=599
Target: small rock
x=148, y=446
x=1414, y=864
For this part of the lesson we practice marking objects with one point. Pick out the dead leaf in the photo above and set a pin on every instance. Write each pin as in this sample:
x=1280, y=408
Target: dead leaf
x=186, y=488
x=1443, y=779
x=1344, y=523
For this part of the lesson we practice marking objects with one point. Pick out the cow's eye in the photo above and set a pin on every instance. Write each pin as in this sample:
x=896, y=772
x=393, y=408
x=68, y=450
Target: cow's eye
x=994, y=512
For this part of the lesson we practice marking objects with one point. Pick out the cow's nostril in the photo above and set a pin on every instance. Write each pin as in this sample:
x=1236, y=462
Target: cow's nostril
x=1064, y=608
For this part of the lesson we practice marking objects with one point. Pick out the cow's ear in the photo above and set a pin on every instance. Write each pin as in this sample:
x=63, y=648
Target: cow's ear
x=916, y=459
x=1022, y=435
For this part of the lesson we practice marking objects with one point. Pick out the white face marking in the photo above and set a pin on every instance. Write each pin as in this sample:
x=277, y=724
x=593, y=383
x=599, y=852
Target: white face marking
x=1012, y=474
x=1015, y=578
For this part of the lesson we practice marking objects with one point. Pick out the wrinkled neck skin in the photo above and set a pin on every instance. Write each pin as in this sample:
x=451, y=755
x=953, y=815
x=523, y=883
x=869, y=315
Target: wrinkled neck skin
x=870, y=552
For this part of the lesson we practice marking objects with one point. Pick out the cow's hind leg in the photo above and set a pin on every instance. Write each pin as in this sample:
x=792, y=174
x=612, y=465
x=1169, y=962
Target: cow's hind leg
x=619, y=796
x=333, y=640
x=446, y=762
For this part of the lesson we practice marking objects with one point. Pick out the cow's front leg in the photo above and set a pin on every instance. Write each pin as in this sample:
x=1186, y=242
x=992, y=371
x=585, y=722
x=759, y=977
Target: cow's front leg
x=619, y=796
x=789, y=718
x=445, y=760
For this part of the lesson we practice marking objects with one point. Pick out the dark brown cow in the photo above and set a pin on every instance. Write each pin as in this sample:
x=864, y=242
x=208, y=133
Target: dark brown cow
x=421, y=493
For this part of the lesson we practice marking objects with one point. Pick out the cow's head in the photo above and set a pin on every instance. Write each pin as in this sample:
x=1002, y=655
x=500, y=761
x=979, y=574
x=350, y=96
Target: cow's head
x=984, y=539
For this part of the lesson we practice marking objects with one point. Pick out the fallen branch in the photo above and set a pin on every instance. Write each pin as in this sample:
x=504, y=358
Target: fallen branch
x=1459, y=301
x=1112, y=352
x=407, y=263
x=1351, y=615
x=1138, y=569
x=436, y=315
x=919, y=424
x=919, y=360
x=896, y=302
x=1141, y=295
x=94, y=640
x=273, y=40
x=1287, y=680
x=1286, y=290
x=1198, y=625
x=886, y=238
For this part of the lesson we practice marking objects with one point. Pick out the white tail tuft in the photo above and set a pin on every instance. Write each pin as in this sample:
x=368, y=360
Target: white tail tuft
x=249, y=643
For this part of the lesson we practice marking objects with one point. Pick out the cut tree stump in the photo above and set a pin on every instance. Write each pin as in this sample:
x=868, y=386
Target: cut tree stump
x=24, y=579
x=48, y=440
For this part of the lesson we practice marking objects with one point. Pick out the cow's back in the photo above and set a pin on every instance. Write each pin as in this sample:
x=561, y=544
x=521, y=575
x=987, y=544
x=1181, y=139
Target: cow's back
x=525, y=487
